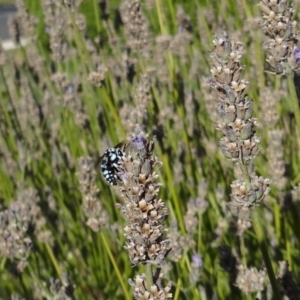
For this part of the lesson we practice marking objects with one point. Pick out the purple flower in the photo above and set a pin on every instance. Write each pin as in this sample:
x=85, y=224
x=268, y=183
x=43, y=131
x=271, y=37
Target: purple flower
x=201, y=204
x=180, y=29
x=197, y=261
x=139, y=141
x=297, y=55
x=122, y=175
x=70, y=89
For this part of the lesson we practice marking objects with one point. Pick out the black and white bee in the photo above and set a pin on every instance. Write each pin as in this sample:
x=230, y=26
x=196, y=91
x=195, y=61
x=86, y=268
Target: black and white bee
x=110, y=163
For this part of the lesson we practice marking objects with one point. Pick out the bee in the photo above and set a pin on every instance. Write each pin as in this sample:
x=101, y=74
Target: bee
x=110, y=163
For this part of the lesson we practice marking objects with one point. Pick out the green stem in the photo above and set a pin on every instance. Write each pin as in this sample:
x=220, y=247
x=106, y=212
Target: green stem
x=53, y=259
x=243, y=251
x=172, y=191
x=260, y=64
x=116, y=268
x=97, y=15
x=177, y=291
x=264, y=250
x=79, y=40
x=149, y=276
x=246, y=176
x=294, y=100
x=256, y=220
x=199, y=243
x=2, y=263
x=160, y=18
x=288, y=247
x=13, y=109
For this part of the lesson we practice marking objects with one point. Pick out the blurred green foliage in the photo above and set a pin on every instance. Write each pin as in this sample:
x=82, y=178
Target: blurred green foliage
x=44, y=103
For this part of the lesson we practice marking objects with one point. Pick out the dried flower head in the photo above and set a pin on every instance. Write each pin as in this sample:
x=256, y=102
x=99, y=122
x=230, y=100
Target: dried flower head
x=296, y=193
x=279, y=27
x=250, y=280
x=196, y=265
x=15, y=241
x=176, y=242
x=195, y=208
x=143, y=210
x=62, y=289
x=239, y=142
x=136, y=25
x=137, y=113
x=155, y=292
x=243, y=198
x=98, y=77
x=276, y=158
x=97, y=216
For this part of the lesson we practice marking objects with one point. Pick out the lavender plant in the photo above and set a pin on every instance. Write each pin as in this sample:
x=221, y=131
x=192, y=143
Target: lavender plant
x=239, y=142
x=282, y=44
x=145, y=214
x=83, y=76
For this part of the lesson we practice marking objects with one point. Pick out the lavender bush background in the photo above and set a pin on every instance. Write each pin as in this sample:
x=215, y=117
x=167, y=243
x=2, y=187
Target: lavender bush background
x=193, y=217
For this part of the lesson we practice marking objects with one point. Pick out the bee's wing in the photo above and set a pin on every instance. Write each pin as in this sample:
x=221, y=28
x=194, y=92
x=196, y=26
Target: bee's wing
x=122, y=145
x=98, y=161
